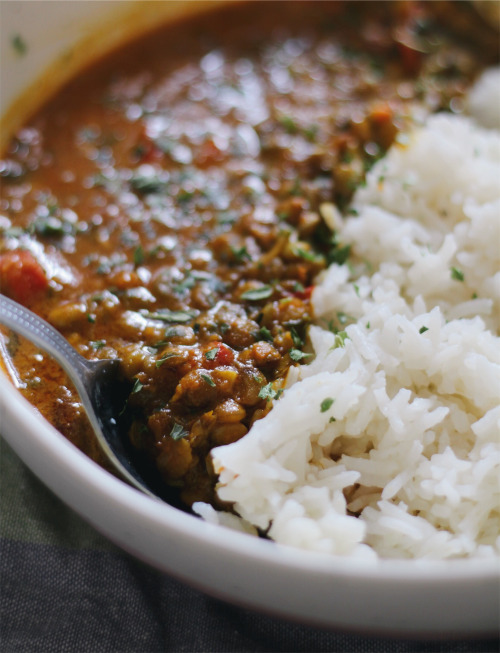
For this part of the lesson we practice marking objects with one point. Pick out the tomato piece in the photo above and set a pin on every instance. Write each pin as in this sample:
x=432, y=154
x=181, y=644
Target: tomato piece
x=304, y=294
x=225, y=355
x=21, y=276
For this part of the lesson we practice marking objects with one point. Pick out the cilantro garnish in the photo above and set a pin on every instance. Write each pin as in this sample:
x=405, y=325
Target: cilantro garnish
x=268, y=393
x=326, y=404
x=178, y=432
x=211, y=353
x=166, y=315
x=208, y=380
x=264, y=334
x=137, y=386
x=256, y=294
x=297, y=355
x=457, y=274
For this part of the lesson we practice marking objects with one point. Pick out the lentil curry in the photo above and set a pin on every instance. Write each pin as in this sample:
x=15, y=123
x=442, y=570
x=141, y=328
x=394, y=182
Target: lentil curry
x=173, y=204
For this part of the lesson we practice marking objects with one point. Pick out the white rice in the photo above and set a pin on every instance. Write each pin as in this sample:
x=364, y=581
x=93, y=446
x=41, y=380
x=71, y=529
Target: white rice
x=412, y=436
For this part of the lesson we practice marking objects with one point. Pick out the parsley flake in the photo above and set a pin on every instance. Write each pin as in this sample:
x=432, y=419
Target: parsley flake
x=268, y=393
x=137, y=387
x=211, y=354
x=178, y=432
x=256, y=294
x=457, y=274
x=326, y=404
x=166, y=315
x=297, y=355
x=19, y=45
x=264, y=334
x=208, y=380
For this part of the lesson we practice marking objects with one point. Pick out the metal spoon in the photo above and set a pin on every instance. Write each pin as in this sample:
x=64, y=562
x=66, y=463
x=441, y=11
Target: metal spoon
x=101, y=391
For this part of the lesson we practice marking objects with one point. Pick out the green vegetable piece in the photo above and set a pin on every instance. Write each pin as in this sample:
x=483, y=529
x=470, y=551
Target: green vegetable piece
x=178, y=432
x=172, y=317
x=423, y=329
x=208, y=380
x=256, y=294
x=297, y=355
x=289, y=124
x=161, y=360
x=326, y=404
x=297, y=340
x=241, y=254
x=19, y=45
x=268, y=393
x=457, y=274
x=211, y=354
x=146, y=183
x=138, y=256
x=137, y=387
x=264, y=334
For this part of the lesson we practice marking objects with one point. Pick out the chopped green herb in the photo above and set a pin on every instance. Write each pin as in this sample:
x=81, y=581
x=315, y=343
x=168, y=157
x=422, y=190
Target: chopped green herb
x=137, y=386
x=297, y=355
x=457, y=274
x=240, y=254
x=208, y=380
x=223, y=327
x=423, y=329
x=185, y=196
x=256, y=294
x=211, y=353
x=91, y=318
x=331, y=420
x=311, y=132
x=326, y=404
x=339, y=340
x=146, y=183
x=138, y=256
x=178, y=432
x=297, y=340
x=268, y=393
x=166, y=315
x=264, y=334
x=227, y=217
x=339, y=255
x=307, y=255
x=344, y=318
x=52, y=226
x=19, y=45
x=97, y=344
x=298, y=287
x=161, y=360
x=356, y=288
x=289, y=124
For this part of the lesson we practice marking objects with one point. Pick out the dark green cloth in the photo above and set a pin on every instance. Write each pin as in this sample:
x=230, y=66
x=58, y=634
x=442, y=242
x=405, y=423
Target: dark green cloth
x=65, y=588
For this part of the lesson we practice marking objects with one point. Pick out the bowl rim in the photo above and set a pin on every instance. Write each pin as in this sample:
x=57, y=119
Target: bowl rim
x=44, y=449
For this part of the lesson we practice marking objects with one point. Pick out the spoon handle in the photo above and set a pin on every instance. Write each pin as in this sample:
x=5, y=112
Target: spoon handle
x=86, y=377
x=43, y=335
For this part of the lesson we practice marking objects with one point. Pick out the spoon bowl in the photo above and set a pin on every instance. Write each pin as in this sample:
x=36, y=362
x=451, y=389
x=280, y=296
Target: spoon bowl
x=100, y=386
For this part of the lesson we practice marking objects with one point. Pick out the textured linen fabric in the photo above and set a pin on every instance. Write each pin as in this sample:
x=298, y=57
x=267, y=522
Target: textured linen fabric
x=65, y=588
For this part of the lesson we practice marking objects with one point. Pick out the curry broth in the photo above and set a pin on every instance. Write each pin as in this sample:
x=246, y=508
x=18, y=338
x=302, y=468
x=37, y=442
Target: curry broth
x=173, y=204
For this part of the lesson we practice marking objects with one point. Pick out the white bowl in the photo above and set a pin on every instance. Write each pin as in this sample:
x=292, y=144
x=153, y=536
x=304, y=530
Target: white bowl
x=452, y=598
